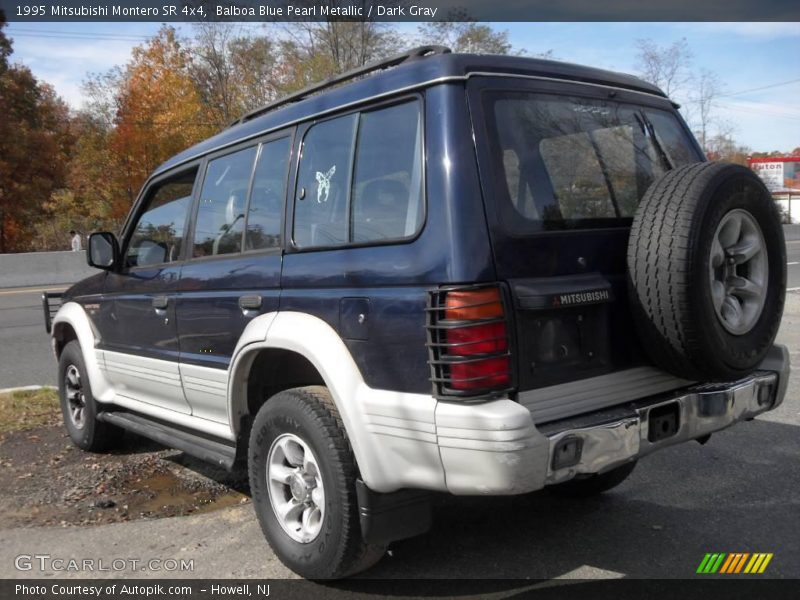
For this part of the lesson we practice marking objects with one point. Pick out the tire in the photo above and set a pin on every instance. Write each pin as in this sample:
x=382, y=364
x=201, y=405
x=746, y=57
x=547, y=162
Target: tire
x=594, y=484
x=78, y=406
x=705, y=307
x=301, y=426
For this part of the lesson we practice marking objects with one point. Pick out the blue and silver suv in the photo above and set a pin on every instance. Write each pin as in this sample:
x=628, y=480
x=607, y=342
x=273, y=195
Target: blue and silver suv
x=455, y=273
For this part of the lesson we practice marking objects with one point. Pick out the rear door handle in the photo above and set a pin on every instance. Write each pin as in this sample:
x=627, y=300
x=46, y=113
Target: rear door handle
x=160, y=302
x=250, y=302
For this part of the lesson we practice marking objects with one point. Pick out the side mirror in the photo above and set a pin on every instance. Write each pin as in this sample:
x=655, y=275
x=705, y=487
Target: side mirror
x=103, y=251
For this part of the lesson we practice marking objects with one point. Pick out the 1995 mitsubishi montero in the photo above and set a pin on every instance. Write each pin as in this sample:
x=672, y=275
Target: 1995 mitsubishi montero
x=455, y=273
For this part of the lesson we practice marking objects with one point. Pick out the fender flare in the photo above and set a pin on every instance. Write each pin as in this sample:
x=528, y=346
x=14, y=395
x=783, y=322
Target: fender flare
x=74, y=315
x=357, y=403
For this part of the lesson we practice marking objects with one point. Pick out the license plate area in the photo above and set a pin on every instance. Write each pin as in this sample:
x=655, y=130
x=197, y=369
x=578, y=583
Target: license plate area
x=663, y=422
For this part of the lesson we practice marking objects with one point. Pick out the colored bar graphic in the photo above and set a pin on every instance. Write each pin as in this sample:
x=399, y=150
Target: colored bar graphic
x=703, y=563
x=740, y=564
x=727, y=564
x=717, y=563
x=764, y=564
x=755, y=562
x=734, y=562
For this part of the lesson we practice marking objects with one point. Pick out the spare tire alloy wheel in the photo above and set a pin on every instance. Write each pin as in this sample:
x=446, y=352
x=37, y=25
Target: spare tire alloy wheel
x=738, y=271
x=707, y=271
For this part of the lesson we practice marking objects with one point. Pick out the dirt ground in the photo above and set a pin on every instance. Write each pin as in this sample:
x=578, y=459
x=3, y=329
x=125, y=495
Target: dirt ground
x=45, y=480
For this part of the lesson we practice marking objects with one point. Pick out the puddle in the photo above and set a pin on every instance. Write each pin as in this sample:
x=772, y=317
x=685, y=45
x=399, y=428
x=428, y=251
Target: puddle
x=165, y=494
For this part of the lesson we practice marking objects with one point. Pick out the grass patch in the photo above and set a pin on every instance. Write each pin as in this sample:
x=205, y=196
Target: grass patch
x=25, y=410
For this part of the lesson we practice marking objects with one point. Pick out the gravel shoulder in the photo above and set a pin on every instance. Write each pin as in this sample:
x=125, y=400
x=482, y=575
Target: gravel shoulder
x=45, y=480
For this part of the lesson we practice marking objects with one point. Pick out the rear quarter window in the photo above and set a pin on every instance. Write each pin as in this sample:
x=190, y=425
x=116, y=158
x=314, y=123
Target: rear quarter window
x=360, y=179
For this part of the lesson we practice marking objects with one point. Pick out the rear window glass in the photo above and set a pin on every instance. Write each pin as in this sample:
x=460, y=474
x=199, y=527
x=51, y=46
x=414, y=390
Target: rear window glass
x=387, y=188
x=562, y=162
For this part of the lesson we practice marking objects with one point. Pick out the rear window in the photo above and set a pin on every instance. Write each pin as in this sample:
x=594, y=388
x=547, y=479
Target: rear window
x=567, y=162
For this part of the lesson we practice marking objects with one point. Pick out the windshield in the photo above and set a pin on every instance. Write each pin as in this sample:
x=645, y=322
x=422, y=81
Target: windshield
x=567, y=162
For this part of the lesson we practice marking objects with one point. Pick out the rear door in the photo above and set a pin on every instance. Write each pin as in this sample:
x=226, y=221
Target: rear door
x=563, y=167
x=139, y=337
x=233, y=271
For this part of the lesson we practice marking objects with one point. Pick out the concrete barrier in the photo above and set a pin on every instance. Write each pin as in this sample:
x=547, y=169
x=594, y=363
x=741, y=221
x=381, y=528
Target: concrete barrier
x=791, y=233
x=43, y=268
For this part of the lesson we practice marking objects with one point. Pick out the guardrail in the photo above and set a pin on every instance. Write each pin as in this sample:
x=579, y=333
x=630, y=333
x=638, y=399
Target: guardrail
x=43, y=268
x=791, y=233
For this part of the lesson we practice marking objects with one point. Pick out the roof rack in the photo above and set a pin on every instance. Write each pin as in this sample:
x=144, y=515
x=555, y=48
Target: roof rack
x=379, y=65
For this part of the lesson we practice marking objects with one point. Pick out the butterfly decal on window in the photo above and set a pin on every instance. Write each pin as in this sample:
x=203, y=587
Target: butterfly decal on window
x=324, y=184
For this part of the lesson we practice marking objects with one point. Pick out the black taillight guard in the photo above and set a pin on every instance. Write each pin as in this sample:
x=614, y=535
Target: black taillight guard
x=440, y=361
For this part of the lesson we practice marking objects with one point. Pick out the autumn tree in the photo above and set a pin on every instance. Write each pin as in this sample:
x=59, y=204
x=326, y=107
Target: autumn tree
x=465, y=36
x=668, y=67
x=35, y=142
x=314, y=51
x=705, y=95
x=723, y=146
x=233, y=73
x=159, y=113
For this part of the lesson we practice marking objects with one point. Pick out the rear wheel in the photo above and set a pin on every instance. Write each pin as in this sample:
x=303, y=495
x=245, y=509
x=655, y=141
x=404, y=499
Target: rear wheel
x=593, y=484
x=302, y=479
x=78, y=406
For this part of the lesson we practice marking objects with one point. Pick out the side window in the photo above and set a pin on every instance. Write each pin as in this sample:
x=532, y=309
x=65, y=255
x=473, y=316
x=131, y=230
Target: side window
x=321, y=206
x=265, y=211
x=384, y=200
x=221, y=212
x=387, y=186
x=158, y=235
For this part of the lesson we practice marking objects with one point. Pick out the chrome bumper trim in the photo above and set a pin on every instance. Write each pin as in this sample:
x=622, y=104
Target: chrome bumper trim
x=702, y=410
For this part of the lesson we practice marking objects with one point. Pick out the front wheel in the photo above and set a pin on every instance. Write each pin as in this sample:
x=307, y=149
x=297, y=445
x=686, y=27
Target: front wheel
x=78, y=406
x=302, y=479
x=593, y=484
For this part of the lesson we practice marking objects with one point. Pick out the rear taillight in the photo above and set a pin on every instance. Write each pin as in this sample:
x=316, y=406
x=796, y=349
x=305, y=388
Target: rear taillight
x=468, y=337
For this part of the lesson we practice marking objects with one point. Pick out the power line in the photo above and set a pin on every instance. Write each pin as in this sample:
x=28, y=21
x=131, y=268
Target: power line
x=78, y=36
x=758, y=89
x=763, y=111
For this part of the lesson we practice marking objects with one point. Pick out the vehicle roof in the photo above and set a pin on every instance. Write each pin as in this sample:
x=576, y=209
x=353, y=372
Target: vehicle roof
x=412, y=74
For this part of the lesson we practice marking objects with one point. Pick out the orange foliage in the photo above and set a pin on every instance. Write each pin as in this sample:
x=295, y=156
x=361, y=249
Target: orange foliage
x=159, y=113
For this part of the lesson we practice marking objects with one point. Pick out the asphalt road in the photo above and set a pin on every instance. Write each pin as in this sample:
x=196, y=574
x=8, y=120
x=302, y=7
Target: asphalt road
x=738, y=493
x=793, y=262
x=25, y=355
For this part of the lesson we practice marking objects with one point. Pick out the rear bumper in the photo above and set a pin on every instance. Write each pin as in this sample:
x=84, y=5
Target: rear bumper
x=495, y=448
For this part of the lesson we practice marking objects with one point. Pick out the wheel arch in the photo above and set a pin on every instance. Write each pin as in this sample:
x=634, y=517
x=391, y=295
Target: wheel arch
x=72, y=323
x=313, y=354
x=63, y=334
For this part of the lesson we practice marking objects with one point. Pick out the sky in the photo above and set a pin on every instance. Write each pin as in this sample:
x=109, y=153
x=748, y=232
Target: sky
x=758, y=63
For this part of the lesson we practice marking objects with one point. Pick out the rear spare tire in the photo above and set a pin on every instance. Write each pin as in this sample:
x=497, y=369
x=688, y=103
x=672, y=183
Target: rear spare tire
x=707, y=271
